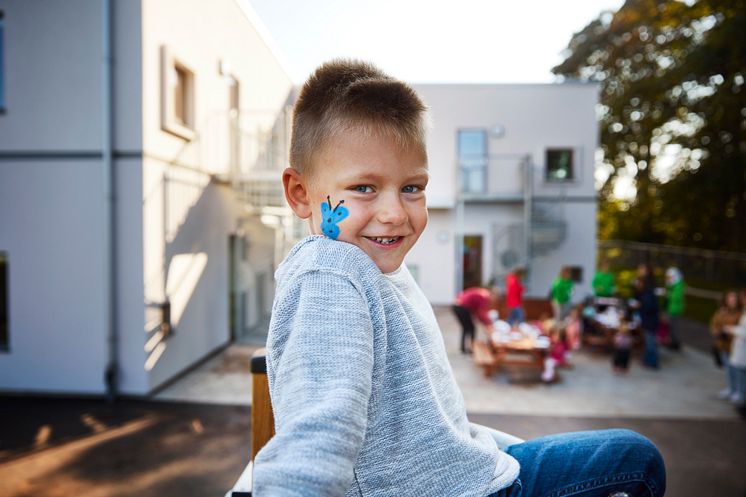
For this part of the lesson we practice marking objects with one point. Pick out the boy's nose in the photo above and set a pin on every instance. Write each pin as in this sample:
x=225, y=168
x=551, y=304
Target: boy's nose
x=392, y=211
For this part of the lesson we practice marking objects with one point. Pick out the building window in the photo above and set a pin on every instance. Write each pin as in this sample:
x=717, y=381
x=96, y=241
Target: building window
x=4, y=321
x=2, y=61
x=560, y=165
x=576, y=273
x=177, y=96
x=472, y=160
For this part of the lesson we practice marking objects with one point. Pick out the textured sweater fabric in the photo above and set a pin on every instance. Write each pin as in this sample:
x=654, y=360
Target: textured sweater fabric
x=364, y=398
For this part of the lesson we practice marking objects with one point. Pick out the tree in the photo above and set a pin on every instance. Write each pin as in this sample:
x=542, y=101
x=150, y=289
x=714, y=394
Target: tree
x=672, y=117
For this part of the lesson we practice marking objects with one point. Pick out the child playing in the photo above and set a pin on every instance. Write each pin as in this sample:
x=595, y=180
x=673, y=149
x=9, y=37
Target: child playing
x=622, y=345
x=557, y=357
x=574, y=329
x=364, y=398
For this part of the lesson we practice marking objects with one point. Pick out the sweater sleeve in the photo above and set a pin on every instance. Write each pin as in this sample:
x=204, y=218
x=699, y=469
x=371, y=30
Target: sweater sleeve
x=321, y=388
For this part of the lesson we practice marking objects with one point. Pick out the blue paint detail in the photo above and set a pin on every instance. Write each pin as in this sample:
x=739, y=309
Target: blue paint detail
x=331, y=217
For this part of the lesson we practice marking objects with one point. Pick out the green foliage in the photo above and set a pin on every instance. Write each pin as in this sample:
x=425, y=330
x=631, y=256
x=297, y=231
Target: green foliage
x=672, y=74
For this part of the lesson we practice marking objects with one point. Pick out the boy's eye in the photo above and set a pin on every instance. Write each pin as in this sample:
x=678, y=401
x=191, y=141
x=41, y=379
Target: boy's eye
x=412, y=189
x=363, y=188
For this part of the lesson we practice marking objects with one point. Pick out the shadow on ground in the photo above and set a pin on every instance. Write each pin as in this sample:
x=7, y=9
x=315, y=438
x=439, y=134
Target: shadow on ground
x=63, y=447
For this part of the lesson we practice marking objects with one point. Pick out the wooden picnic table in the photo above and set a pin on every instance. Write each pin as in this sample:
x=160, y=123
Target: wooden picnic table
x=500, y=351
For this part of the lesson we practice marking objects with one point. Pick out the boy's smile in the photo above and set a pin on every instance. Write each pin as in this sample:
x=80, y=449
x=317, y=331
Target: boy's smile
x=383, y=188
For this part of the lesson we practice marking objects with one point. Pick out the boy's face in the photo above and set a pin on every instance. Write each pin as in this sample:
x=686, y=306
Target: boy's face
x=383, y=188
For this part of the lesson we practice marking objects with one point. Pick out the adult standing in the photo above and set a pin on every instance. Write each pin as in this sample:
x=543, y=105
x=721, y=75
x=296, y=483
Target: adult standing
x=738, y=355
x=474, y=302
x=729, y=314
x=514, y=296
x=674, y=305
x=647, y=306
x=561, y=294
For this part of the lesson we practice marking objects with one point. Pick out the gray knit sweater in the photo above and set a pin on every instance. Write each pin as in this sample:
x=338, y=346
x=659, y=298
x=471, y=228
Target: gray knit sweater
x=364, y=398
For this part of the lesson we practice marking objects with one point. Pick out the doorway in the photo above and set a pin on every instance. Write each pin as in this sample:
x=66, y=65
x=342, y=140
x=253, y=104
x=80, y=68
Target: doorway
x=472, y=261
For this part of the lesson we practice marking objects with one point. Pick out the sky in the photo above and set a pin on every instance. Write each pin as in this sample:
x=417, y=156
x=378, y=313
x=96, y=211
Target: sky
x=421, y=41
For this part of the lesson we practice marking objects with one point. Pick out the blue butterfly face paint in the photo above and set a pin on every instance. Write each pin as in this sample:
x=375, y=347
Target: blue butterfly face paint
x=330, y=217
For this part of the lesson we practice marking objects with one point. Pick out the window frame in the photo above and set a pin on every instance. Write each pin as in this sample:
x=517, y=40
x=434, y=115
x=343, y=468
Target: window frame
x=485, y=168
x=574, y=169
x=170, y=64
x=576, y=274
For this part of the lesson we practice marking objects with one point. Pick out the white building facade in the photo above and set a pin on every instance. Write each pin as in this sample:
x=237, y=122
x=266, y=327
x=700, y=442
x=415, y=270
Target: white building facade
x=135, y=142
x=512, y=184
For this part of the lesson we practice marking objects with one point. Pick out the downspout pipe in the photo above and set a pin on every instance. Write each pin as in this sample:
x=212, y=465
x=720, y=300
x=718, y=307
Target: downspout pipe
x=111, y=374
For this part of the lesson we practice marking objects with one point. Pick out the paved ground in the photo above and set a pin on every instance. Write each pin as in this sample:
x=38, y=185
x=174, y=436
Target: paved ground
x=56, y=447
x=72, y=447
x=685, y=386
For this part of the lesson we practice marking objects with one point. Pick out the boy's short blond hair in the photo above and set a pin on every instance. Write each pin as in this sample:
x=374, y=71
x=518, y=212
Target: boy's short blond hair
x=349, y=95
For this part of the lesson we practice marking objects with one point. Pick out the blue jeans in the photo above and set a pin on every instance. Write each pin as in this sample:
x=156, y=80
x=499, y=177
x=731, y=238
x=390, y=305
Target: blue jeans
x=516, y=315
x=650, y=357
x=739, y=380
x=588, y=464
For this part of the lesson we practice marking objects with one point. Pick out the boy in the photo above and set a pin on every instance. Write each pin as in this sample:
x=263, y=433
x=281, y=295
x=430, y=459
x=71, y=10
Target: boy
x=622, y=348
x=364, y=399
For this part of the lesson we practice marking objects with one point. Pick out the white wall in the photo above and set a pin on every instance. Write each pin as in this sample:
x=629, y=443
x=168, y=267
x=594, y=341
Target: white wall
x=578, y=249
x=535, y=117
x=202, y=35
x=53, y=234
x=192, y=216
x=434, y=257
x=199, y=300
x=53, y=71
x=52, y=186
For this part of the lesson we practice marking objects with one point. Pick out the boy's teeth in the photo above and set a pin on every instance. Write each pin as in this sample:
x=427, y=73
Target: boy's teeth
x=386, y=241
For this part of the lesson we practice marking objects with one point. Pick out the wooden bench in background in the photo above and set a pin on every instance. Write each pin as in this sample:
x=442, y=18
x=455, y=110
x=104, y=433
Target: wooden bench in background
x=534, y=308
x=484, y=357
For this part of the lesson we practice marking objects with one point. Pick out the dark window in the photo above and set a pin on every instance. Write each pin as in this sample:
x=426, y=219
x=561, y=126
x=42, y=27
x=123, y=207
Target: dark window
x=2, y=61
x=576, y=274
x=472, y=160
x=4, y=342
x=560, y=165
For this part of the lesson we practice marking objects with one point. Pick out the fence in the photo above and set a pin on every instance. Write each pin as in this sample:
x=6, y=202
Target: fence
x=706, y=272
x=703, y=269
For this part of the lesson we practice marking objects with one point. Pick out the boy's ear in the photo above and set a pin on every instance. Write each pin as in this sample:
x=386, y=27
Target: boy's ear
x=296, y=192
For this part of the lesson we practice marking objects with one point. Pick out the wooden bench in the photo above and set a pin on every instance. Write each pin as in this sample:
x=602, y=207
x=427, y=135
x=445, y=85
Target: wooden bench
x=533, y=307
x=484, y=357
x=262, y=421
x=263, y=424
